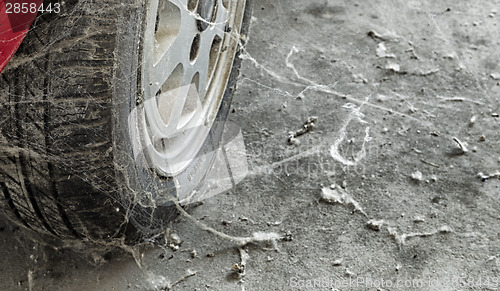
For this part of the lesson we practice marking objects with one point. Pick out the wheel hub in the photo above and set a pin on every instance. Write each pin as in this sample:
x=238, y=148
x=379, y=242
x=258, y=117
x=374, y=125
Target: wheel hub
x=187, y=57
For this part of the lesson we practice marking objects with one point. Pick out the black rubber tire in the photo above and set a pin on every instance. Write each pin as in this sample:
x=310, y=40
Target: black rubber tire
x=65, y=166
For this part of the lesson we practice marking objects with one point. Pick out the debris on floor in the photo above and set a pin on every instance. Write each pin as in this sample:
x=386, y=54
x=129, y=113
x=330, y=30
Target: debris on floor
x=423, y=73
x=288, y=236
x=495, y=76
x=174, y=241
x=430, y=163
x=375, y=224
x=308, y=126
x=349, y=273
x=394, y=67
x=383, y=36
x=463, y=149
x=417, y=176
x=417, y=151
x=418, y=219
x=238, y=269
x=485, y=177
x=382, y=51
x=472, y=120
x=337, y=195
x=401, y=239
x=359, y=78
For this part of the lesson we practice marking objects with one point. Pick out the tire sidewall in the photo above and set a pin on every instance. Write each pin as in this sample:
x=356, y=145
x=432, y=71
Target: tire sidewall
x=142, y=191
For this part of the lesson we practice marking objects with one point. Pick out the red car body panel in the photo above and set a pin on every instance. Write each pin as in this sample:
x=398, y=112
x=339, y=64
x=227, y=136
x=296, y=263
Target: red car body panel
x=14, y=27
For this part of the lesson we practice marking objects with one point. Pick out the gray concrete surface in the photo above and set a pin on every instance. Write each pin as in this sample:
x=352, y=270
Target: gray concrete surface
x=405, y=80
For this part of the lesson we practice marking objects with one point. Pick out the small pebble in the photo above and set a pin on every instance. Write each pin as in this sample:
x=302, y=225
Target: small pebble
x=349, y=273
x=294, y=141
x=393, y=67
x=445, y=229
x=175, y=239
x=417, y=176
x=472, y=120
x=375, y=224
x=418, y=219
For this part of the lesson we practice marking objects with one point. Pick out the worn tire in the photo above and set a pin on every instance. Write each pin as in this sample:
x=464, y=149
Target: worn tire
x=65, y=166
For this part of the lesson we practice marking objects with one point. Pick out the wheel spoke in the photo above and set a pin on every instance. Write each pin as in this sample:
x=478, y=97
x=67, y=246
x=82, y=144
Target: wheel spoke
x=184, y=104
x=156, y=125
x=221, y=19
x=184, y=46
x=163, y=67
x=207, y=40
x=160, y=72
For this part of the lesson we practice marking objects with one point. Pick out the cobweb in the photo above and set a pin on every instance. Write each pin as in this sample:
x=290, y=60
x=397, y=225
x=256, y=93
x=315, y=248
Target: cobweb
x=290, y=76
x=228, y=165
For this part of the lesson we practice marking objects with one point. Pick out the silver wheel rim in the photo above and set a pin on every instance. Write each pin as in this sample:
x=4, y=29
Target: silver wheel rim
x=187, y=59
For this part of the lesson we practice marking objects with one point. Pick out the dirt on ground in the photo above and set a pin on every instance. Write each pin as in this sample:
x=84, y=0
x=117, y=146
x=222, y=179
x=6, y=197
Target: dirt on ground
x=372, y=133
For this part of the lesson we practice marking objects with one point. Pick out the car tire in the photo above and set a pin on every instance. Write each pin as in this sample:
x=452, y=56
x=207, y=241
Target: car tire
x=79, y=156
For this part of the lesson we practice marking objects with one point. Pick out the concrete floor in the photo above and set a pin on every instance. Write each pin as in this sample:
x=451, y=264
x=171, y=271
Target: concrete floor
x=395, y=86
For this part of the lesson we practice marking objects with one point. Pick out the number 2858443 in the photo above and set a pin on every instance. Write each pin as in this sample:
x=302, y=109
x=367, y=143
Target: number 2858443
x=23, y=8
